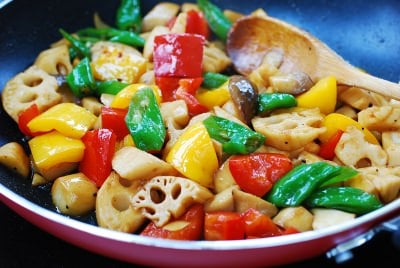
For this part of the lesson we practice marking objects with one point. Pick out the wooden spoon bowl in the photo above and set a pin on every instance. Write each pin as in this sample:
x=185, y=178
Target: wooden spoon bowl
x=251, y=37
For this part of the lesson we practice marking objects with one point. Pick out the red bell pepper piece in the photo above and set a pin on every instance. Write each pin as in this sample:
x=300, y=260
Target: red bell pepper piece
x=168, y=87
x=289, y=230
x=25, y=117
x=197, y=24
x=256, y=173
x=259, y=225
x=99, y=151
x=224, y=225
x=186, y=91
x=192, y=231
x=327, y=149
x=114, y=118
x=178, y=55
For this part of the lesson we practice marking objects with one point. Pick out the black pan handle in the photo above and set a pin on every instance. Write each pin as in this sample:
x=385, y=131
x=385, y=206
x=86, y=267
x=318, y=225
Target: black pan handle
x=343, y=252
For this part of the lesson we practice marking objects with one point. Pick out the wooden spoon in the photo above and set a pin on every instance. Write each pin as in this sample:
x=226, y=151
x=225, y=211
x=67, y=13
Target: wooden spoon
x=252, y=37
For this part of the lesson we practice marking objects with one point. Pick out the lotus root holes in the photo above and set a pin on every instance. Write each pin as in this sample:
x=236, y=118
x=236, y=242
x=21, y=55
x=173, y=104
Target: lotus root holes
x=32, y=81
x=157, y=195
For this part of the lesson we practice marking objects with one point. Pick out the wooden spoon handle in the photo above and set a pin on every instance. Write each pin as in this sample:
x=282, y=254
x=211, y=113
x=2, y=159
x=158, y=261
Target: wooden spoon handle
x=351, y=76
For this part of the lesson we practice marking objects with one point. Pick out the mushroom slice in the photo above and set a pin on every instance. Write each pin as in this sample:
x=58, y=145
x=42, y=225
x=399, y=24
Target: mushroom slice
x=113, y=209
x=245, y=97
x=164, y=197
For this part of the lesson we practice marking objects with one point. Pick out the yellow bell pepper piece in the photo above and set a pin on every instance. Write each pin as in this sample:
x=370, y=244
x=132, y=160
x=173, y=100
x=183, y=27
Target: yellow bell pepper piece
x=69, y=119
x=214, y=97
x=117, y=63
x=323, y=95
x=335, y=121
x=53, y=148
x=123, y=98
x=194, y=156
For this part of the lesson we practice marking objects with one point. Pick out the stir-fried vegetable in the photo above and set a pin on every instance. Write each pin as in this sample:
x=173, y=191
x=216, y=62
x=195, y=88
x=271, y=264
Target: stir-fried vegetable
x=170, y=142
x=144, y=121
x=235, y=138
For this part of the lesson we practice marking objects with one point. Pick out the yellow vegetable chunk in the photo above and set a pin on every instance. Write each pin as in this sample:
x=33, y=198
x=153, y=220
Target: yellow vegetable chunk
x=69, y=119
x=194, y=155
x=322, y=95
x=334, y=122
x=51, y=149
x=123, y=98
x=214, y=97
x=115, y=61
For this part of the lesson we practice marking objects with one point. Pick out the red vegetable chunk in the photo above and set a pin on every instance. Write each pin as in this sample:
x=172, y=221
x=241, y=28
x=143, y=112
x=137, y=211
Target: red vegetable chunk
x=99, y=151
x=256, y=173
x=178, y=55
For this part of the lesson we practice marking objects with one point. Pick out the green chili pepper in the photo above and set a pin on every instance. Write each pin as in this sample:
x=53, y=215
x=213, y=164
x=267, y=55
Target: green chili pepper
x=347, y=199
x=113, y=35
x=128, y=16
x=128, y=38
x=270, y=101
x=299, y=183
x=235, y=138
x=345, y=173
x=109, y=87
x=213, y=80
x=145, y=122
x=80, y=48
x=81, y=80
x=216, y=19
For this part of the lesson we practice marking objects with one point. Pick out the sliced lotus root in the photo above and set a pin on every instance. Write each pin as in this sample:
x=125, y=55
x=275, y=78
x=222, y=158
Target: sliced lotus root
x=31, y=86
x=113, y=208
x=164, y=197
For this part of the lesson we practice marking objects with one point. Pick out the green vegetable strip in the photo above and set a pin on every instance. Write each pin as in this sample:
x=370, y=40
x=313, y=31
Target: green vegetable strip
x=270, y=101
x=80, y=48
x=235, y=138
x=109, y=87
x=128, y=16
x=145, y=122
x=216, y=19
x=81, y=80
x=348, y=199
x=213, y=80
x=298, y=184
x=114, y=35
x=345, y=173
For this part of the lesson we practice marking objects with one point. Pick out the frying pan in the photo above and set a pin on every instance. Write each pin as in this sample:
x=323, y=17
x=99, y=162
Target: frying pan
x=366, y=33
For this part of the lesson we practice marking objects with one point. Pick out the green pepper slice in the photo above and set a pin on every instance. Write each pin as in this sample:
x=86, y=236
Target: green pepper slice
x=79, y=47
x=113, y=35
x=81, y=80
x=109, y=87
x=128, y=16
x=213, y=80
x=299, y=183
x=347, y=199
x=235, y=138
x=270, y=101
x=145, y=122
x=216, y=19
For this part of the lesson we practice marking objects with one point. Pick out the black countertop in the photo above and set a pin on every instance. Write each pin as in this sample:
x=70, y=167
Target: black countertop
x=23, y=244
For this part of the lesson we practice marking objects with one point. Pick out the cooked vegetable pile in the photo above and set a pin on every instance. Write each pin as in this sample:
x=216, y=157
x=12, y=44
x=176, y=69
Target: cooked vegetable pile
x=148, y=123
